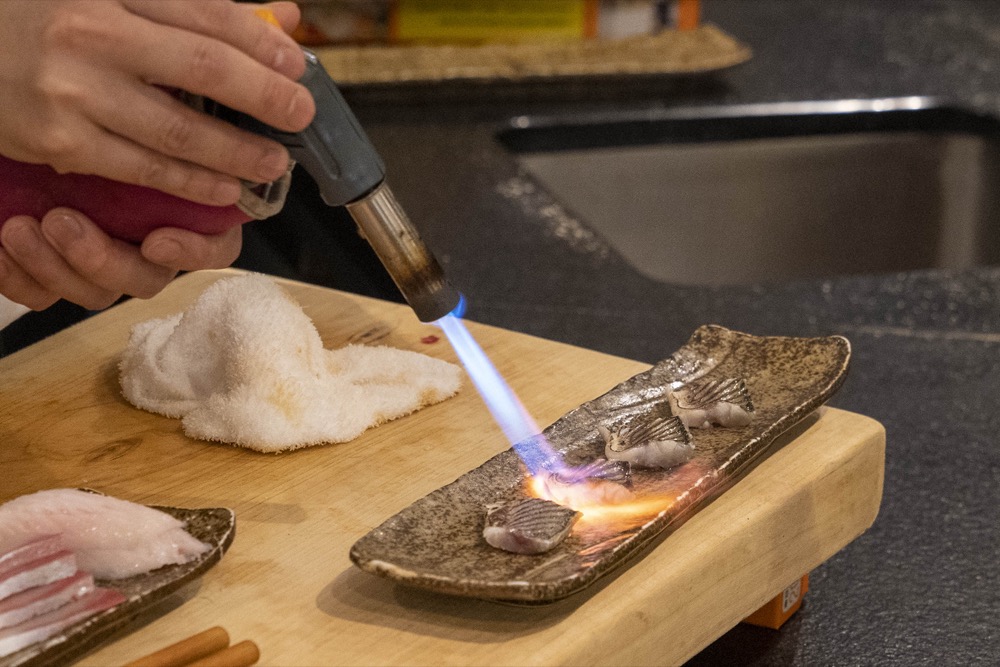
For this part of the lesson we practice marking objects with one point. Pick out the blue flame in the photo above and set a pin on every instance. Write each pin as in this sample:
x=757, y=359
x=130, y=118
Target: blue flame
x=459, y=311
x=520, y=429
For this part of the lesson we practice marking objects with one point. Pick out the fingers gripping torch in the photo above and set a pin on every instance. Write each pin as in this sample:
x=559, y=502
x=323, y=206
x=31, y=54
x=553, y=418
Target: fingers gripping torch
x=334, y=150
x=337, y=154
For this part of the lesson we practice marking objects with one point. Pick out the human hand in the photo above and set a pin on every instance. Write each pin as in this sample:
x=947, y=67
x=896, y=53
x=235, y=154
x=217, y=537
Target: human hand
x=65, y=255
x=82, y=83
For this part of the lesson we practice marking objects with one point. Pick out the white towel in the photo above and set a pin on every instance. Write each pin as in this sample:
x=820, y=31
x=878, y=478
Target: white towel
x=245, y=365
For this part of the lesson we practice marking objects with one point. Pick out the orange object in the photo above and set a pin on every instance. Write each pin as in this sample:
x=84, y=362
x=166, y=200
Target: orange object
x=475, y=22
x=774, y=614
x=183, y=652
x=243, y=654
x=591, y=11
x=268, y=16
x=688, y=15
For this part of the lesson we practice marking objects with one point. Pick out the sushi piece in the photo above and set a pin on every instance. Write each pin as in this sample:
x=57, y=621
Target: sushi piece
x=530, y=526
x=112, y=538
x=661, y=442
x=45, y=570
x=599, y=482
x=42, y=627
x=43, y=599
x=720, y=402
x=611, y=472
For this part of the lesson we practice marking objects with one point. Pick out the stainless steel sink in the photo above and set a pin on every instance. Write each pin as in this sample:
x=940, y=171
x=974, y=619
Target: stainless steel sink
x=777, y=192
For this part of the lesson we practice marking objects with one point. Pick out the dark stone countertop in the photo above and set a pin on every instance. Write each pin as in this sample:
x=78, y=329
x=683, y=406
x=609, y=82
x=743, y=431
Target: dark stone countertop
x=923, y=585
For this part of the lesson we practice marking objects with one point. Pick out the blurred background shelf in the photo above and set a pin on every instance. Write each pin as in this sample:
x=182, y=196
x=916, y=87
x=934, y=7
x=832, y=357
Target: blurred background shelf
x=703, y=49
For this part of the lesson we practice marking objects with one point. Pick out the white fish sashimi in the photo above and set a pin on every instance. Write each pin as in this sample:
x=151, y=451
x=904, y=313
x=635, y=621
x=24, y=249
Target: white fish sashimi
x=44, y=626
x=46, y=545
x=112, y=538
x=37, y=573
x=43, y=599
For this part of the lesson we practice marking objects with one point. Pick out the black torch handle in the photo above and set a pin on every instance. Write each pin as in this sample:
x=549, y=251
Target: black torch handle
x=349, y=172
x=334, y=149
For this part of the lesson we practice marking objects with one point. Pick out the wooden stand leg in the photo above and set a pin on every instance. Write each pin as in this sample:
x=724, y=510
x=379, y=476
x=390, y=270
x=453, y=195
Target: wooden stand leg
x=774, y=614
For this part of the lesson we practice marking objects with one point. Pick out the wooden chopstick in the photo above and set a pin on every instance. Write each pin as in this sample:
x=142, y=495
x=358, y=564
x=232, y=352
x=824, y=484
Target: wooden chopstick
x=209, y=648
x=243, y=654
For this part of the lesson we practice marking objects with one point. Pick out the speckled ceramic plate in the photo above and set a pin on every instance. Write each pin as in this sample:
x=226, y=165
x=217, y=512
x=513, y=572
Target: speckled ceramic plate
x=214, y=526
x=437, y=543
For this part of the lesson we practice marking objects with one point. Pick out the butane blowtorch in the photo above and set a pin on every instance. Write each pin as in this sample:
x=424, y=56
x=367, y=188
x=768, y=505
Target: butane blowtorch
x=336, y=152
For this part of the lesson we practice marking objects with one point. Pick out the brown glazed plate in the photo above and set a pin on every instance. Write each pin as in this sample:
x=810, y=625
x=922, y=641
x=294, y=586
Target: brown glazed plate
x=437, y=542
x=214, y=526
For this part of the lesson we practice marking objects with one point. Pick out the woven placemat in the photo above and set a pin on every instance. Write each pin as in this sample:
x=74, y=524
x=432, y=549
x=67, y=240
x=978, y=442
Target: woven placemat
x=703, y=49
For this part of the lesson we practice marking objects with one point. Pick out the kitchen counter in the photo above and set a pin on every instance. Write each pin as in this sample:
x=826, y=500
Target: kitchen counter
x=922, y=586
x=287, y=580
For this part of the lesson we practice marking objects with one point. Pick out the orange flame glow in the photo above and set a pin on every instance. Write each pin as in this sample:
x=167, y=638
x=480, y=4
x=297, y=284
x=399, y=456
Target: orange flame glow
x=603, y=503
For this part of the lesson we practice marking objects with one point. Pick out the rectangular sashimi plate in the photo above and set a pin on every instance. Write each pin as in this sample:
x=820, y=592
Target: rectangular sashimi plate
x=437, y=542
x=215, y=526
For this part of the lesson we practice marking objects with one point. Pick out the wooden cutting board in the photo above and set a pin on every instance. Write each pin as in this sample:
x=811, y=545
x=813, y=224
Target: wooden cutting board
x=287, y=582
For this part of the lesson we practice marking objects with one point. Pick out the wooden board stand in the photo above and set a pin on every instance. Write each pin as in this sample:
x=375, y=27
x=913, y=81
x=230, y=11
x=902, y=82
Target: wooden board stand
x=287, y=583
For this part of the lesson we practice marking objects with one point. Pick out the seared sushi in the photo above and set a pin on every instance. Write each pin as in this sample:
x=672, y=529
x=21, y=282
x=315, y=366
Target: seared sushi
x=596, y=483
x=658, y=442
x=714, y=402
x=530, y=526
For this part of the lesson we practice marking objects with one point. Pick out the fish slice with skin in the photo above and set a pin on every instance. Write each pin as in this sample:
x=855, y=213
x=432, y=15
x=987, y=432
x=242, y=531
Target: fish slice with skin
x=43, y=599
x=112, y=538
x=44, y=570
x=530, y=526
x=16, y=563
x=601, y=481
x=44, y=626
x=724, y=402
x=658, y=442
x=45, y=545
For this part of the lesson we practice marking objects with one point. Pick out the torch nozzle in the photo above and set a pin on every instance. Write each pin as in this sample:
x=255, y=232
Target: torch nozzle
x=408, y=261
x=336, y=152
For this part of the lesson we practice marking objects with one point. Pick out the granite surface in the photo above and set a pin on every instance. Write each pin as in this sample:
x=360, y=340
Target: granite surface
x=922, y=587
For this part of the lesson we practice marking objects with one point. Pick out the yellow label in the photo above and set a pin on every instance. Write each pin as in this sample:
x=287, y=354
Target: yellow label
x=492, y=20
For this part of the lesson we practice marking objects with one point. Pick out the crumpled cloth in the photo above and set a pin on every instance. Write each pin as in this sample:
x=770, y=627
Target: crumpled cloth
x=10, y=311
x=245, y=365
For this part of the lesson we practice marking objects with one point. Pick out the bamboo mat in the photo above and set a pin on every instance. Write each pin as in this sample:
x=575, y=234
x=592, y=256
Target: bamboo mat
x=704, y=49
